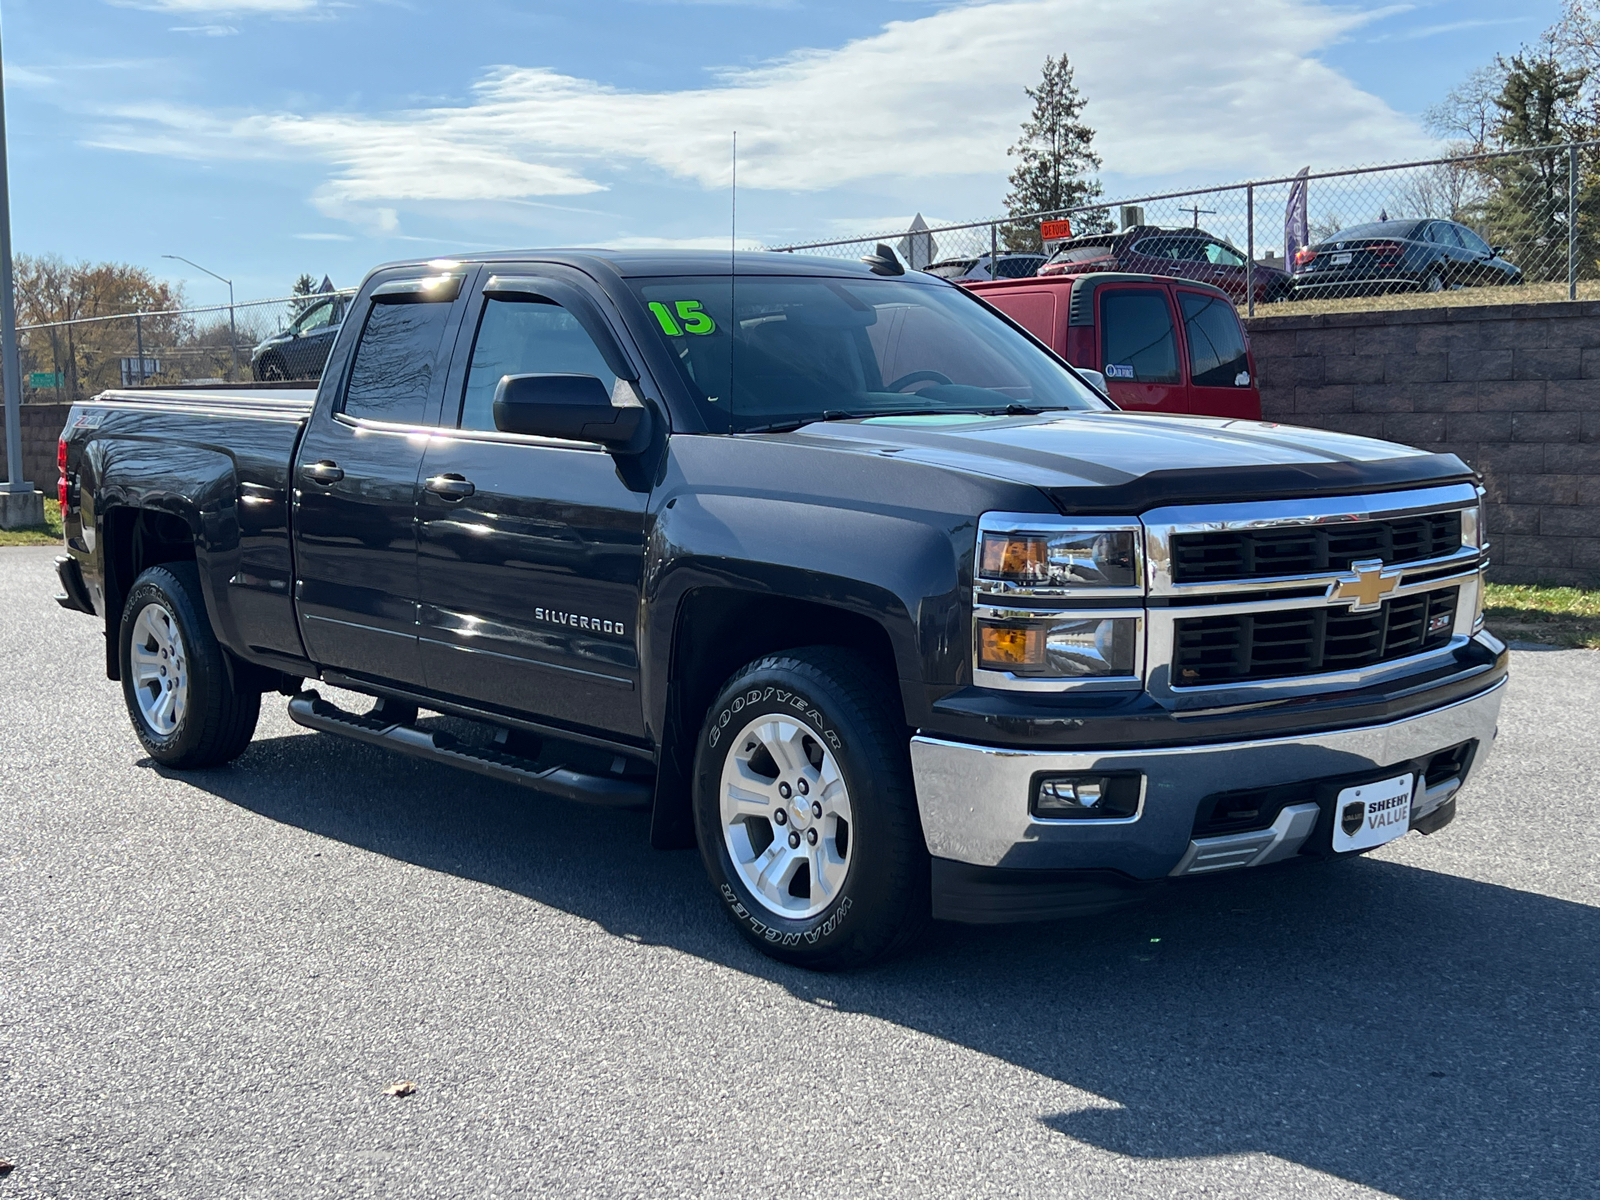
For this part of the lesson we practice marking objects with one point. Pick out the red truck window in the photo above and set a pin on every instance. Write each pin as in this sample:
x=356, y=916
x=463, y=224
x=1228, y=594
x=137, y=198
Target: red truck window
x=1137, y=341
x=1217, y=355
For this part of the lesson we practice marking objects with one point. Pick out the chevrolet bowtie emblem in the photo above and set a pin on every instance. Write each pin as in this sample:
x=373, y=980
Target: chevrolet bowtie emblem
x=1366, y=587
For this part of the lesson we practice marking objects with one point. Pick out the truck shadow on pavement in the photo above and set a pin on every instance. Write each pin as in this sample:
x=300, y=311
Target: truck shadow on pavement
x=1410, y=1031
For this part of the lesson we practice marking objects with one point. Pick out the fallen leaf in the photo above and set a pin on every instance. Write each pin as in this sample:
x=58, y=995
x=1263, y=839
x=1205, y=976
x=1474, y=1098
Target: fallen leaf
x=404, y=1088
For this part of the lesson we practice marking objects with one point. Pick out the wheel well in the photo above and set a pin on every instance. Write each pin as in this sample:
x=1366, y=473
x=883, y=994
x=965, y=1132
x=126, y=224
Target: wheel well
x=718, y=631
x=136, y=538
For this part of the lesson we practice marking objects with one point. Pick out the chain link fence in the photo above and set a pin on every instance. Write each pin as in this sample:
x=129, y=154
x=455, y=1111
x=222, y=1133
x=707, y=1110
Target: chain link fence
x=1489, y=228
x=281, y=339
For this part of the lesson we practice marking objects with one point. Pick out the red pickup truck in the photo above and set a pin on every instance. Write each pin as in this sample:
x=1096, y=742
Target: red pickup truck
x=1127, y=328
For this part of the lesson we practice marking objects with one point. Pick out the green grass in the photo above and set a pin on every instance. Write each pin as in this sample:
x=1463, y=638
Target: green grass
x=1561, y=616
x=1466, y=297
x=48, y=534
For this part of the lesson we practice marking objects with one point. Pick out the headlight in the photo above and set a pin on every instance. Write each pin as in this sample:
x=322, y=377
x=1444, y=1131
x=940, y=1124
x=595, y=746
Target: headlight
x=1060, y=648
x=1064, y=558
x=1058, y=602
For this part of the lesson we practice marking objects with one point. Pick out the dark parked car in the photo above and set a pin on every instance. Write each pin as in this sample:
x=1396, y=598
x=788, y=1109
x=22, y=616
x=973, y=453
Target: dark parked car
x=1180, y=253
x=300, y=351
x=1018, y=265
x=1390, y=256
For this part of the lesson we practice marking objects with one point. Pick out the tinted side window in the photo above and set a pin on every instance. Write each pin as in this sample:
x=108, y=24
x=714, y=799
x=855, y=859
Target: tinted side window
x=395, y=362
x=1216, y=343
x=1137, y=341
x=1472, y=241
x=1223, y=256
x=318, y=316
x=525, y=337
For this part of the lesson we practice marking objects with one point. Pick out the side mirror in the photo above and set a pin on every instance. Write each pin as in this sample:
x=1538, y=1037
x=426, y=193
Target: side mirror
x=1095, y=380
x=1498, y=251
x=575, y=407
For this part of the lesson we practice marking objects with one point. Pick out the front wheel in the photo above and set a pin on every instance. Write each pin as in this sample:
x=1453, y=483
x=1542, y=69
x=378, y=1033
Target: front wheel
x=805, y=811
x=185, y=707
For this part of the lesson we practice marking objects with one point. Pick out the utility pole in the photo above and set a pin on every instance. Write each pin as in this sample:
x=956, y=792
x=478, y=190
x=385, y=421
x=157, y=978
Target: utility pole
x=233, y=332
x=19, y=503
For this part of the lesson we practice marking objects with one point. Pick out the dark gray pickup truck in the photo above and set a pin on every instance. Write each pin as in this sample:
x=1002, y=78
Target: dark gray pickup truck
x=855, y=584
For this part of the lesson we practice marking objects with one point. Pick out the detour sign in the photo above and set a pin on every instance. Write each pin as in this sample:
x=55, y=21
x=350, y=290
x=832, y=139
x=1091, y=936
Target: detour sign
x=1055, y=231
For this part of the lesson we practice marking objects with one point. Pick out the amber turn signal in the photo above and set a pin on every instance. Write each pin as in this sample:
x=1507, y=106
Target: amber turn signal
x=1003, y=647
x=1016, y=557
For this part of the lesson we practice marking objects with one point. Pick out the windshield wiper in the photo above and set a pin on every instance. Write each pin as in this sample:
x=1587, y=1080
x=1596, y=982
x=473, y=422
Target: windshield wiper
x=1013, y=409
x=829, y=414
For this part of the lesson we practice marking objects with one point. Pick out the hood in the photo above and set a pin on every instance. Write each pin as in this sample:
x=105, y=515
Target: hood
x=1129, y=461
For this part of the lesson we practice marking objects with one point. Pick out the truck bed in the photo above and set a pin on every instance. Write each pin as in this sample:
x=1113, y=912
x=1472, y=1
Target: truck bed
x=218, y=460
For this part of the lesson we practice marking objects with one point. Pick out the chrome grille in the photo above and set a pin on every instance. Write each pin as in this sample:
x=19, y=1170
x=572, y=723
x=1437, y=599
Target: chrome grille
x=1308, y=549
x=1256, y=600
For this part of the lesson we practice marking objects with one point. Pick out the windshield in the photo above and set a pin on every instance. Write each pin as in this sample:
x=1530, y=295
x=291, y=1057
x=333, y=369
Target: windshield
x=952, y=268
x=806, y=349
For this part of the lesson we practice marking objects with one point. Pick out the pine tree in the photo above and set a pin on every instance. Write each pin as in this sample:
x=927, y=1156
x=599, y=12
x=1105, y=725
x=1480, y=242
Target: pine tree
x=1057, y=159
x=1527, y=204
x=304, y=289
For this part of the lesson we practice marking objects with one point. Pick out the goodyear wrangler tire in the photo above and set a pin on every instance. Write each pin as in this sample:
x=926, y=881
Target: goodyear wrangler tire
x=805, y=811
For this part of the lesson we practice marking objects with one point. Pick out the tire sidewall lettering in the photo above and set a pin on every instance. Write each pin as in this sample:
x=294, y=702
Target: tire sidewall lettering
x=787, y=937
x=810, y=713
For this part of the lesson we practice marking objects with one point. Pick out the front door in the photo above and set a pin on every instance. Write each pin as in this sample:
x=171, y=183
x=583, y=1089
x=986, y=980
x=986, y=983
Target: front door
x=356, y=489
x=1139, y=348
x=1218, y=359
x=530, y=550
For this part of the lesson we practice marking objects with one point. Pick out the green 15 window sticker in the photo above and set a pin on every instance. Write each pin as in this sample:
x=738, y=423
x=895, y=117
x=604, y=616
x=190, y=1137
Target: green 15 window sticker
x=691, y=318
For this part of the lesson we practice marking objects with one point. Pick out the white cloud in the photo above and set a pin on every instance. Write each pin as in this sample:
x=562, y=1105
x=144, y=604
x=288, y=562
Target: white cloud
x=207, y=30
x=323, y=237
x=1174, y=88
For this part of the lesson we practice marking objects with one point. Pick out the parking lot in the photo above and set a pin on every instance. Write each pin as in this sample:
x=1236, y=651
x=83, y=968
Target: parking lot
x=208, y=980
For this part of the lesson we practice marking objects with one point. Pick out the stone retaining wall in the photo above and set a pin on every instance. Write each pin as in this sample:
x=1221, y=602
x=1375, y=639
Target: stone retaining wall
x=41, y=430
x=1513, y=389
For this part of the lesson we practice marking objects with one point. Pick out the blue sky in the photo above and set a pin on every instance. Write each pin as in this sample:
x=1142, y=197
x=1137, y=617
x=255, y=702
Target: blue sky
x=266, y=137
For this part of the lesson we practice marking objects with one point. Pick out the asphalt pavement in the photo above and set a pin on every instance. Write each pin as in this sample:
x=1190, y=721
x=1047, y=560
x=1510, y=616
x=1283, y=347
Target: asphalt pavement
x=208, y=980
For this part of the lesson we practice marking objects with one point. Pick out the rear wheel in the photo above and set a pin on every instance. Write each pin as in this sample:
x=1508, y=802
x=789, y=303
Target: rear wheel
x=185, y=709
x=806, y=814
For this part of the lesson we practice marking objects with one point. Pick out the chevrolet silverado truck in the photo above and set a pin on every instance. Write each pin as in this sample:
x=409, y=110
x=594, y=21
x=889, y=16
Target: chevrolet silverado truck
x=850, y=580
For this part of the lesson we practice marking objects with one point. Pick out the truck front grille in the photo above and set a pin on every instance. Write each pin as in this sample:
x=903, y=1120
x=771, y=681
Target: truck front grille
x=1242, y=647
x=1309, y=549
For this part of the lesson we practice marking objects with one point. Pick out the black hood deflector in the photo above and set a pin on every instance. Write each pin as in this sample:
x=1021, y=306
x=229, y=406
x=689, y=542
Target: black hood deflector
x=1291, y=481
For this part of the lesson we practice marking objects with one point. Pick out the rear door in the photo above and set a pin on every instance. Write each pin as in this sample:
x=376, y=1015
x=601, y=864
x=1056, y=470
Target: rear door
x=531, y=550
x=356, y=482
x=1221, y=383
x=1139, y=348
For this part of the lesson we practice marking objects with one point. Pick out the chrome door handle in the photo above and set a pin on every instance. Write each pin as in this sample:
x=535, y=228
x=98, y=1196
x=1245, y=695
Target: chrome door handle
x=450, y=487
x=323, y=472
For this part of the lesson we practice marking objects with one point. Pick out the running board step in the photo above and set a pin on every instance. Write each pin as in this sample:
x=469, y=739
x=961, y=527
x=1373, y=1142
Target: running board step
x=311, y=710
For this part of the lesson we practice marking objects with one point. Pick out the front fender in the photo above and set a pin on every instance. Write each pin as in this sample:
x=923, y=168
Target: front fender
x=902, y=574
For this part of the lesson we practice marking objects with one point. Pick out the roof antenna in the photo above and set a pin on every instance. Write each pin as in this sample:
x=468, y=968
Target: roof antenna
x=882, y=261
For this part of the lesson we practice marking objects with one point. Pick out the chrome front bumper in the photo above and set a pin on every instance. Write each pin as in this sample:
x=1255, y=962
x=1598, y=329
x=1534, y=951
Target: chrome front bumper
x=974, y=799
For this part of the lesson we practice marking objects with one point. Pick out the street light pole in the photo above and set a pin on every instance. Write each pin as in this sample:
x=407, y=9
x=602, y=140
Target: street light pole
x=10, y=371
x=233, y=330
